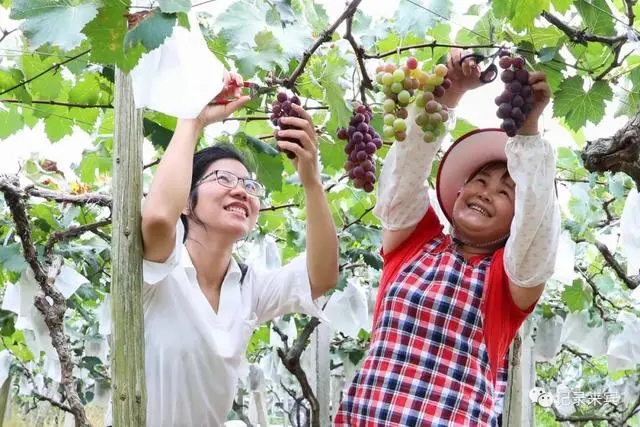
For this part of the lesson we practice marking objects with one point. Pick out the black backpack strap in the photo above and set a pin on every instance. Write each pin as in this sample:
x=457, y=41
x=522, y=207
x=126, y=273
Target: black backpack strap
x=243, y=271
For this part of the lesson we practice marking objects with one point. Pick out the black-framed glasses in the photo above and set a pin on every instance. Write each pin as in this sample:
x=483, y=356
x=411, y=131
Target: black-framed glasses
x=230, y=180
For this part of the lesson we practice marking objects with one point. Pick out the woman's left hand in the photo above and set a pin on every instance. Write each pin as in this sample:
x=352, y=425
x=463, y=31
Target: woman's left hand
x=541, y=97
x=306, y=156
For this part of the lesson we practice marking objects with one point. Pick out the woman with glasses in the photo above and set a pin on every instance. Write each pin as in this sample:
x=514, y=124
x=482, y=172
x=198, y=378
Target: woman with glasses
x=200, y=306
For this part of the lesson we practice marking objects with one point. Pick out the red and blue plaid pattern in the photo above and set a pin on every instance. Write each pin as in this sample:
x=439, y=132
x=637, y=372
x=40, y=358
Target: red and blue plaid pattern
x=427, y=363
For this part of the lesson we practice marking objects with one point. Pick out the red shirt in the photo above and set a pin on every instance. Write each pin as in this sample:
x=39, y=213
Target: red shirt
x=502, y=317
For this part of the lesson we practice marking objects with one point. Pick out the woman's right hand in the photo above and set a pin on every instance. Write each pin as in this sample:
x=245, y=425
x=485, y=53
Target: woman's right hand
x=214, y=113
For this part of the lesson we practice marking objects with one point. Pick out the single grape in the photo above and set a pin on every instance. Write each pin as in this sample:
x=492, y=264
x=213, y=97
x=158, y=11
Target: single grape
x=401, y=136
x=517, y=101
x=432, y=106
x=507, y=95
x=504, y=62
x=399, y=125
x=503, y=52
x=428, y=137
x=435, y=118
x=367, y=187
x=367, y=138
x=420, y=101
x=412, y=63
x=388, y=119
x=390, y=68
x=499, y=100
x=396, y=87
x=357, y=137
x=445, y=116
x=522, y=76
x=370, y=148
x=508, y=124
x=276, y=109
x=359, y=118
x=526, y=91
x=438, y=91
x=388, y=105
x=351, y=130
x=516, y=113
x=342, y=134
x=440, y=70
x=446, y=84
x=404, y=97
x=362, y=109
x=295, y=100
x=370, y=176
x=387, y=79
x=362, y=155
x=504, y=111
x=507, y=76
x=407, y=83
x=402, y=113
x=286, y=106
x=428, y=96
x=379, y=78
x=435, y=80
x=422, y=119
x=358, y=171
x=282, y=97
x=388, y=131
x=377, y=142
x=515, y=86
x=398, y=76
x=518, y=62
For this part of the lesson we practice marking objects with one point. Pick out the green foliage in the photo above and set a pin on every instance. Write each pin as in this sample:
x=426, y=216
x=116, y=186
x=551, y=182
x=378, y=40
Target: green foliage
x=579, y=106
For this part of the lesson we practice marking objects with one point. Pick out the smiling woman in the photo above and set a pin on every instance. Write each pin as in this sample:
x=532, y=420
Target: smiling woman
x=200, y=305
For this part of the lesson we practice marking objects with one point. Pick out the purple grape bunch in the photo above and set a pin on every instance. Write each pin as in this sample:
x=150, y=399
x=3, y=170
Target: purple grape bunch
x=362, y=143
x=516, y=101
x=281, y=107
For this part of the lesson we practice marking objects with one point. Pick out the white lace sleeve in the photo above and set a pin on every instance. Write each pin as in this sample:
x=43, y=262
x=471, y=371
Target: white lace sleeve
x=530, y=252
x=402, y=197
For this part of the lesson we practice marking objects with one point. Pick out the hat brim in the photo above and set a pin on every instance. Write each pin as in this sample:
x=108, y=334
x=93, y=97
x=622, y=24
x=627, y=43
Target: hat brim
x=465, y=156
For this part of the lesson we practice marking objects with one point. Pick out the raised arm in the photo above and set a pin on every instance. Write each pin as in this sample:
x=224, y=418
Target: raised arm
x=530, y=252
x=322, y=239
x=402, y=198
x=170, y=187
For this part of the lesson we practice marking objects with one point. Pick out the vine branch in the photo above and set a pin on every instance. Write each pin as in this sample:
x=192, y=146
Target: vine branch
x=325, y=37
x=56, y=103
x=72, y=232
x=630, y=282
x=581, y=36
x=359, y=52
x=55, y=66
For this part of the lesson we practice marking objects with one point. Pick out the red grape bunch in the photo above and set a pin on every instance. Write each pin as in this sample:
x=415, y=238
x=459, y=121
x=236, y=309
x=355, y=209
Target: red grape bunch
x=432, y=115
x=515, y=102
x=398, y=85
x=281, y=107
x=363, y=142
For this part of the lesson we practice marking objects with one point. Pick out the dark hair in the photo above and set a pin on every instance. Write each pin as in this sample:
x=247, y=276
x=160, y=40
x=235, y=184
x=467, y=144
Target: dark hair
x=201, y=162
x=488, y=167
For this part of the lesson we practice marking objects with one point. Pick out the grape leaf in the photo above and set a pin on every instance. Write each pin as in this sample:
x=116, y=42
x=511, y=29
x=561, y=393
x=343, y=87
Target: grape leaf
x=316, y=15
x=11, y=258
x=561, y=5
x=269, y=170
x=53, y=21
x=10, y=122
x=152, y=31
x=410, y=18
x=48, y=85
x=89, y=90
x=332, y=154
x=578, y=106
x=173, y=6
x=595, y=20
x=241, y=22
x=57, y=127
x=629, y=99
x=328, y=71
x=576, y=296
x=526, y=12
x=106, y=33
x=12, y=78
x=266, y=52
x=286, y=14
x=93, y=162
x=462, y=127
x=156, y=133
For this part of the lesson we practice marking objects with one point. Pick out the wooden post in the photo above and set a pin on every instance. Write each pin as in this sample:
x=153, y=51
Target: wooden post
x=518, y=409
x=127, y=371
x=5, y=394
x=321, y=375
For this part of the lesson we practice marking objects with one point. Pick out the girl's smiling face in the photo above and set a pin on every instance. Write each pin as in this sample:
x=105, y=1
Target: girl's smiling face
x=484, y=208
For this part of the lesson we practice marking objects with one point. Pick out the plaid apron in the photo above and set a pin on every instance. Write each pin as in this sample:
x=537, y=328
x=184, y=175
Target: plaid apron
x=427, y=364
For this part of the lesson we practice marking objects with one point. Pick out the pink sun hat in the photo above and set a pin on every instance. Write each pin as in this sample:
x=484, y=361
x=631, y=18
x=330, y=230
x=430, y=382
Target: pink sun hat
x=465, y=156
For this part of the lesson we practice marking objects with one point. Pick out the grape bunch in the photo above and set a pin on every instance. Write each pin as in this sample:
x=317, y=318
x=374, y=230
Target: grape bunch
x=516, y=101
x=363, y=142
x=398, y=85
x=433, y=115
x=281, y=107
x=416, y=85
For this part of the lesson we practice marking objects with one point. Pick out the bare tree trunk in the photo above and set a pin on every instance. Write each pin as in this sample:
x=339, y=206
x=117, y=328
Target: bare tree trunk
x=128, y=374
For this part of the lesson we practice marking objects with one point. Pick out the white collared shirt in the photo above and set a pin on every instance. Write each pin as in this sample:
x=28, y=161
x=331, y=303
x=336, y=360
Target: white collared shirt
x=193, y=355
